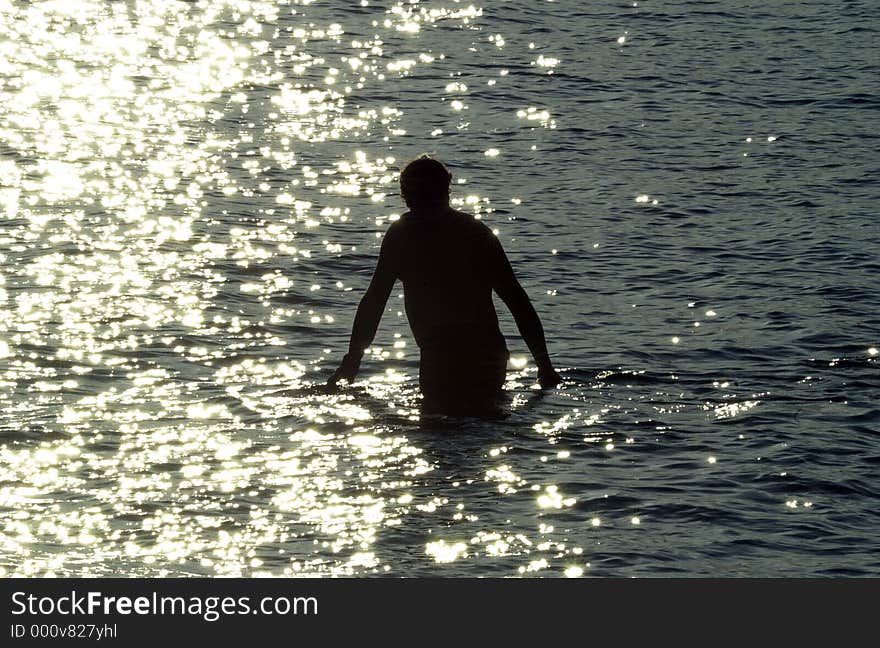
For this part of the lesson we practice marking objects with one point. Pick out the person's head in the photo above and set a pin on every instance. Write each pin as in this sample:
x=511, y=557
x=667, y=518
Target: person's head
x=424, y=182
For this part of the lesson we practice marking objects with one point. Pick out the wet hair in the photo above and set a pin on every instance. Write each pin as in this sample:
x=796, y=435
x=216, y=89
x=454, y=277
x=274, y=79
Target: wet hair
x=424, y=182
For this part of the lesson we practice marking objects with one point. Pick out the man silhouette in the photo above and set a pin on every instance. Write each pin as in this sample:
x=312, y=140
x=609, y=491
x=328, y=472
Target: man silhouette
x=449, y=263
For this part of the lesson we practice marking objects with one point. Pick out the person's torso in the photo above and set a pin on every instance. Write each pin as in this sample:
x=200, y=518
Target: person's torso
x=444, y=263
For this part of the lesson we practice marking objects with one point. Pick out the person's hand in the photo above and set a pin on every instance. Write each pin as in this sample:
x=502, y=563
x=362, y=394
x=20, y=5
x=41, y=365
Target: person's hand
x=346, y=371
x=548, y=378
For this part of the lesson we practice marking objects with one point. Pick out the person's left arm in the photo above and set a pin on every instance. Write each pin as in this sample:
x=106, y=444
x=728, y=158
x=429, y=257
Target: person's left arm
x=369, y=312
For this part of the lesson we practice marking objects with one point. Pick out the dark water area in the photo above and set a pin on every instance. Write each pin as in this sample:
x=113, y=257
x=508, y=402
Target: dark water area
x=193, y=197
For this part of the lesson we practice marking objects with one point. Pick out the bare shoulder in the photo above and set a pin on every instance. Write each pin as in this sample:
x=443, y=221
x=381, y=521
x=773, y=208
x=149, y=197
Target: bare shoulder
x=398, y=228
x=462, y=223
x=471, y=223
x=463, y=217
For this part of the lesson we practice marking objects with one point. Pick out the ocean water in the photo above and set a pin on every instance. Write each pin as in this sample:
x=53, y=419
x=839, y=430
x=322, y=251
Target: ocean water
x=193, y=195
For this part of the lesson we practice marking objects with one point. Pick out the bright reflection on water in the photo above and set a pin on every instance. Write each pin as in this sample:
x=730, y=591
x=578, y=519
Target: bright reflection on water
x=192, y=197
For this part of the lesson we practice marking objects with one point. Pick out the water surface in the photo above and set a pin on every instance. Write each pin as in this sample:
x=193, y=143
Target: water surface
x=193, y=195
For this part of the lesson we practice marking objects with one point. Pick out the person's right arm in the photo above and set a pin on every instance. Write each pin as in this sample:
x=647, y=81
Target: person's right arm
x=514, y=296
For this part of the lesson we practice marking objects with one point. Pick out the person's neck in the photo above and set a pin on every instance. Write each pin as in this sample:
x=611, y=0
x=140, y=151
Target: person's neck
x=436, y=209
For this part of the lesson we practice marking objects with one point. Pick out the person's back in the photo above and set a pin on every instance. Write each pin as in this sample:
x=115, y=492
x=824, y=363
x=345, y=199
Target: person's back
x=444, y=261
x=449, y=263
